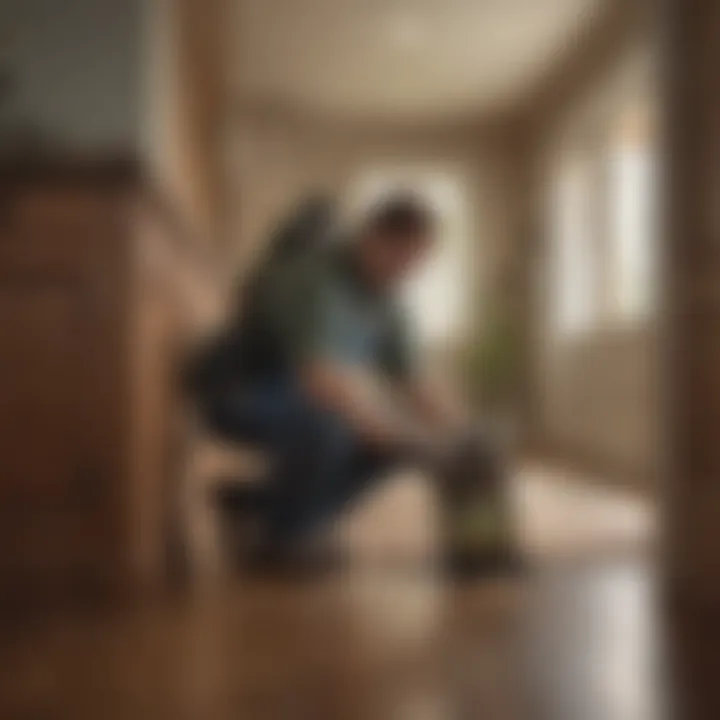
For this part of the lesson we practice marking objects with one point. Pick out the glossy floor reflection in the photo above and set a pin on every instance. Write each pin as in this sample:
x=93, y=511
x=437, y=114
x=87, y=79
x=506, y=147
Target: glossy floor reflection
x=577, y=639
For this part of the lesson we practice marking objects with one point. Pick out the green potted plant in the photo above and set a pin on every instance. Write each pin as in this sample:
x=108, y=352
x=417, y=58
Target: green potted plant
x=492, y=365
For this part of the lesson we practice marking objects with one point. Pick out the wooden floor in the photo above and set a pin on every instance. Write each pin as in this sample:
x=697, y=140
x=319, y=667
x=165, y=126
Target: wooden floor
x=387, y=639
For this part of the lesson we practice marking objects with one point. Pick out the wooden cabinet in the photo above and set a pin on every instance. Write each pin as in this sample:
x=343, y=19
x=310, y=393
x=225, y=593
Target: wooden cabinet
x=91, y=334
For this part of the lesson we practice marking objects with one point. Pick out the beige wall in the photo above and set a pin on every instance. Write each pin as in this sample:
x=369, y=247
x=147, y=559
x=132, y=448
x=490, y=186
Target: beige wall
x=596, y=398
x=598, y=403
x=183, y=105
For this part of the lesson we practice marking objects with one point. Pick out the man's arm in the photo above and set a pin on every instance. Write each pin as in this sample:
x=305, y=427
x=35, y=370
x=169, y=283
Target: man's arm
x=305, y=312
x=421, y=393
x=357, y=396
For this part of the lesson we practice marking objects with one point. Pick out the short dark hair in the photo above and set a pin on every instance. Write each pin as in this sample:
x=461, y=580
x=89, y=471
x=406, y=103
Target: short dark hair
x=401, y=215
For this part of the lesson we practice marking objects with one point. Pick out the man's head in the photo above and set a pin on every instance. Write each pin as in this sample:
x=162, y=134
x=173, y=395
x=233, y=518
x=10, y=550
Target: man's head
x=396, y=236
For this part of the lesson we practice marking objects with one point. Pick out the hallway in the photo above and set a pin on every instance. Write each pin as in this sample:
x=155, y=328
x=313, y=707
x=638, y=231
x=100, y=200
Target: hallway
x=576, y=640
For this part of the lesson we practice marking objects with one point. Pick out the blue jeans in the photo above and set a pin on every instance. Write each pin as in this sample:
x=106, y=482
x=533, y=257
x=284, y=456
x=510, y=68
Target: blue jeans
x=319, y=466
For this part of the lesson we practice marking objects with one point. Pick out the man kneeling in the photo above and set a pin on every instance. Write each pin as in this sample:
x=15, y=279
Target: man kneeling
x=330, y=380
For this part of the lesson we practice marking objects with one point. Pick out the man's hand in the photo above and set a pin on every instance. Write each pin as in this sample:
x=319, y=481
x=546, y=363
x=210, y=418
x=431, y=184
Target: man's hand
x=358, y=398
x=436, y=404
x=453, y=456
x=380, y=419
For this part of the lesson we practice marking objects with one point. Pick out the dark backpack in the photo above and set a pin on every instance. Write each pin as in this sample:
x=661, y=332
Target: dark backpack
x=236, y=352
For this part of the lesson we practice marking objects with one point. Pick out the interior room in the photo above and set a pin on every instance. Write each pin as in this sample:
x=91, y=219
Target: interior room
x=149, y=151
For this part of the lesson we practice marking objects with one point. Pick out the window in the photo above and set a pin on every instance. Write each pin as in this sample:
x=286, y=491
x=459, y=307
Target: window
x=602, y=234
x=631, y=194
x=573, y=281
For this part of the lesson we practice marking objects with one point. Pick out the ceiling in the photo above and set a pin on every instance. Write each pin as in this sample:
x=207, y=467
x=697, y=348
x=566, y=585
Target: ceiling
x=416, y=59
